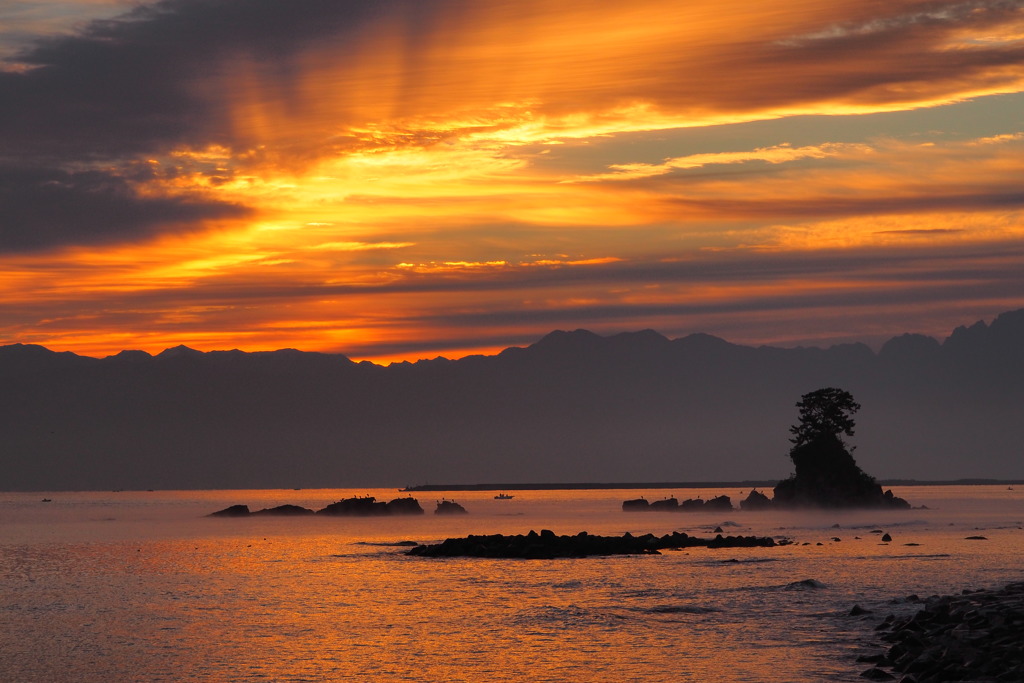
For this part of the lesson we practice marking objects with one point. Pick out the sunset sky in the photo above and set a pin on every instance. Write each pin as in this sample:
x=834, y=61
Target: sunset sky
x=405, y=179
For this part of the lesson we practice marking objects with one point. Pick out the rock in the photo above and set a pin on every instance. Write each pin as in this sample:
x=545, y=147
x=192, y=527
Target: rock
x=285, y=511
x=755, y=500
x=368, y=506
x=827, y=476
x=232, y=511
x=876, y=674
x=449, y=507
x=886, y=538
x=857, y=611
x=719, y=503
x=973, y=636
x=673, y=505
x=548, y=545
x=359, y=506
x=404, y=506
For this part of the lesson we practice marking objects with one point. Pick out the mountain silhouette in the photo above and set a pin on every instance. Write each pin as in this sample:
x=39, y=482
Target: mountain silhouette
x=574, y=406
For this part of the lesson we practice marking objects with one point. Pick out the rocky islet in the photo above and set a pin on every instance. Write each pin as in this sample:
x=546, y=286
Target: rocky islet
x=359, y=506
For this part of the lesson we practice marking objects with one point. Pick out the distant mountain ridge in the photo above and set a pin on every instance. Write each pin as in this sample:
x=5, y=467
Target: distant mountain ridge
x=635, y=406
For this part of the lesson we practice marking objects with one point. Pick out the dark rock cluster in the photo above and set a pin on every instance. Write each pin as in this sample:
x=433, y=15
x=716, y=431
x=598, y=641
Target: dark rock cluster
x=548, y=545
x=449, y=507
x=672, y=505
x=359, y=506
x=976, y=636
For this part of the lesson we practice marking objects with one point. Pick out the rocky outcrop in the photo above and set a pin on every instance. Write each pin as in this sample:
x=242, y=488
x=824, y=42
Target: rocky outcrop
x=368, y=506
x=285, y=511
x=755, y=500
x=359, y=506
x=975, y=636
x=449, y=507
x=232, y=511
x=548, y=545
x=827, y=476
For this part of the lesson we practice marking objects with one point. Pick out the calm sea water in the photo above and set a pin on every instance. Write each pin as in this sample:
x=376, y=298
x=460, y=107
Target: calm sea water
x=141, y=586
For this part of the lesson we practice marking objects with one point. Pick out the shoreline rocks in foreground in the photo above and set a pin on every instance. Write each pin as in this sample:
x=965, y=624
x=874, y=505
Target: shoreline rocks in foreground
x=975, y=636
x=548, y=545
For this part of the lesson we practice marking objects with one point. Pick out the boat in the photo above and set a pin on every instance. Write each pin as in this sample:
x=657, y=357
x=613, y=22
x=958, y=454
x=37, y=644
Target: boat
x=503, y=496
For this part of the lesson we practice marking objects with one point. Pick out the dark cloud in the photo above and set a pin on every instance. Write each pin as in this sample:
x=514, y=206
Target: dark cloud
x=957, y=267
x=127, y=85
x=45, y=207
x=937, y=201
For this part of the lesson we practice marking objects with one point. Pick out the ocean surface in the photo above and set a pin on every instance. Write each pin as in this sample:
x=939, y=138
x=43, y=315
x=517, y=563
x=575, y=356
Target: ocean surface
x=142, y=586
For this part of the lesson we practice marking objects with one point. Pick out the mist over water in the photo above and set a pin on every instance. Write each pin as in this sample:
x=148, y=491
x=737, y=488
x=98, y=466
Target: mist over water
x=143, y=586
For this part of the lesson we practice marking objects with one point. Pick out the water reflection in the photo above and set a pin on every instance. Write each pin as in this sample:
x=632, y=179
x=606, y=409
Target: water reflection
x=143, y=586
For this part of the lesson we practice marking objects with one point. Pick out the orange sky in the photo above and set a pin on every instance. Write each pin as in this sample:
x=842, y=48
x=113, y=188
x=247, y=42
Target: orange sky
x=408, y=179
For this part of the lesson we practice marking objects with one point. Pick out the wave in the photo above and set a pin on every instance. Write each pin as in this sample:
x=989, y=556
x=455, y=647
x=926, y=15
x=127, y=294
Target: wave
x=806, y=584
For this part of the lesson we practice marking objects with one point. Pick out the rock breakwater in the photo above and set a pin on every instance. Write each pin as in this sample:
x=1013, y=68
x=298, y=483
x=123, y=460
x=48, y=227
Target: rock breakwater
x=975, y=636
x=548, y=545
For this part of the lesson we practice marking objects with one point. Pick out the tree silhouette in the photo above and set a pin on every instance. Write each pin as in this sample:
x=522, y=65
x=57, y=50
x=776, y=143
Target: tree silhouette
x=824, y=413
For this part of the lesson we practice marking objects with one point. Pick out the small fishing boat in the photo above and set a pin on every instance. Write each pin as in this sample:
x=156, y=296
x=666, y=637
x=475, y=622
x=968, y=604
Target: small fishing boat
x=503, y=496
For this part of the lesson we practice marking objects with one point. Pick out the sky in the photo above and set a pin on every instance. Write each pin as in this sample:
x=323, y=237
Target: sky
x=403, y=179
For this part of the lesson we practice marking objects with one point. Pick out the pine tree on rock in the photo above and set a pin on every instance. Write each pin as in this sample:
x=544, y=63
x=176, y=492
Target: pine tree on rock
x=826, y=474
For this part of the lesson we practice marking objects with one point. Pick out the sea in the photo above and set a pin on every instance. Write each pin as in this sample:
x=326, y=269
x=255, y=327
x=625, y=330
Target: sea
x=144, y=586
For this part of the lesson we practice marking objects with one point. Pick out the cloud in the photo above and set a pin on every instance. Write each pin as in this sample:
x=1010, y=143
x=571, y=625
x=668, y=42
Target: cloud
x=360, y=246
x=772, y=155
x=44, y=207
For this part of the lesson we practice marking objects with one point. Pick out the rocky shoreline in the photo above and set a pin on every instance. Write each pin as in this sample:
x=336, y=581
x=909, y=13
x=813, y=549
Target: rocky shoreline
x=548, y=545
x=974, y=636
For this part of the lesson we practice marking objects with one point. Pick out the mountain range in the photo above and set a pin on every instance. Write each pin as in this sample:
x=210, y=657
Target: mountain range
x=573, y=407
